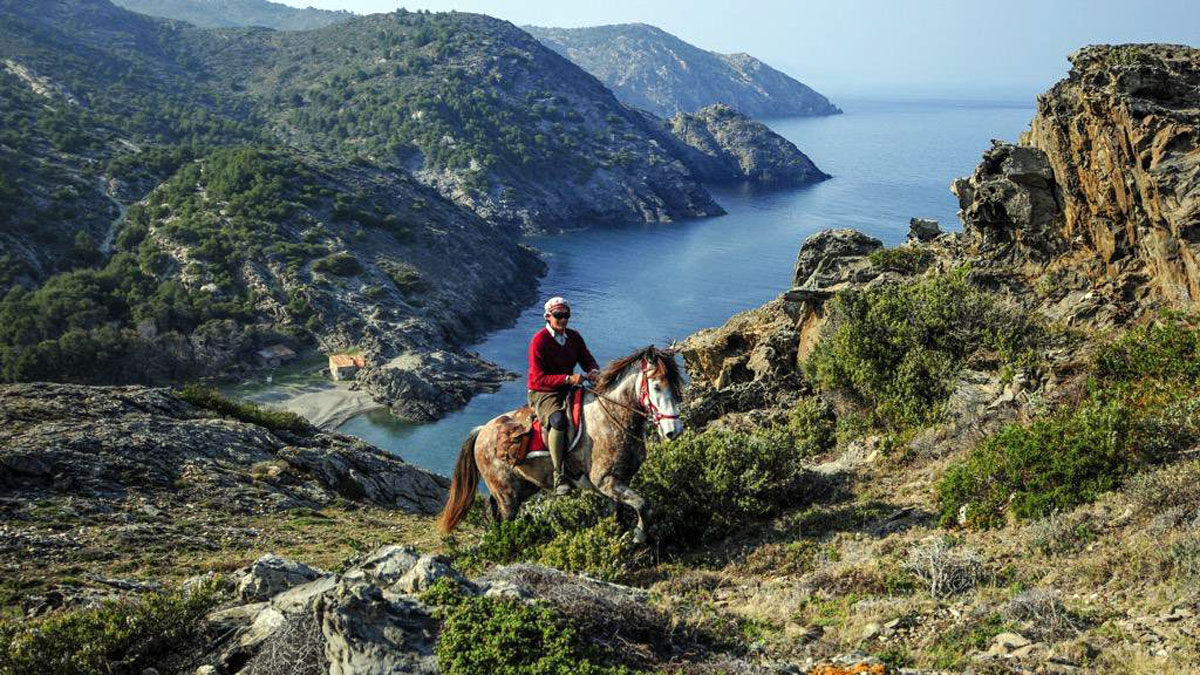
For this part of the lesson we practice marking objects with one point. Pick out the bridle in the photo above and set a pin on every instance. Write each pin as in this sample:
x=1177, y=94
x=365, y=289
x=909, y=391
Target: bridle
x=651, y=410
x=648, y=409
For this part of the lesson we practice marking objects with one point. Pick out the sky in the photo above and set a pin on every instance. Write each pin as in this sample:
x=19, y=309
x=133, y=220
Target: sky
x=1003, y=49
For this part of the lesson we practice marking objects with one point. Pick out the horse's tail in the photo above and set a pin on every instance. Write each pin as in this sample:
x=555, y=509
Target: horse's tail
x=463, y=484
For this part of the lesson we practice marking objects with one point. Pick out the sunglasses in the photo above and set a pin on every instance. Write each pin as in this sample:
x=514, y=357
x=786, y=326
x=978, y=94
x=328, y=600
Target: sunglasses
x=561, y=315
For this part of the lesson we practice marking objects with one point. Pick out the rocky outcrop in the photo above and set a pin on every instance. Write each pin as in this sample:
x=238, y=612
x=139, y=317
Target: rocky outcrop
x=651, y=69
x=1091, y=221
x=98, y=444
x=1010, y=206
x=1121, y=136
x=721, y=145
x=363, y=621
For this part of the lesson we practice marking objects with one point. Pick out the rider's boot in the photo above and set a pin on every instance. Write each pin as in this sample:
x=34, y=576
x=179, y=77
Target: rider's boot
x=557, y=440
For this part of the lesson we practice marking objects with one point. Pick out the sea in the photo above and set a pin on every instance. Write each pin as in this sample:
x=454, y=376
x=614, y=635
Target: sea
x=633, y=285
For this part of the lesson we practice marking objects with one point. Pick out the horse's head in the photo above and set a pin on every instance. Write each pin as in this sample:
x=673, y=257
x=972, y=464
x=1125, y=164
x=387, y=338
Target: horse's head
x=650, y=383
x=659, y=391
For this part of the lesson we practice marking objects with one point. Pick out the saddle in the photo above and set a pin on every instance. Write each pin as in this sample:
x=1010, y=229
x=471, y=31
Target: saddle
x=521, y=436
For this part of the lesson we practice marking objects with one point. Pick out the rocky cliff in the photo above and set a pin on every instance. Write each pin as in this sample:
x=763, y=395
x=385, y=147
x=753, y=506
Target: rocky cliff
x=1087, y=220
x=1120, y=135
x=720, y=144
x=649, y=68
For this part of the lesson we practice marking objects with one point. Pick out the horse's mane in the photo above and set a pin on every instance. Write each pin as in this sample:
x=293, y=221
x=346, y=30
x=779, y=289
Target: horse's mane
x=664, y=364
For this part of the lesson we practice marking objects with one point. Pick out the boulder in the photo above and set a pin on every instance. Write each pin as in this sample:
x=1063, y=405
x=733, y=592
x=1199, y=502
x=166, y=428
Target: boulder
x=427, y=570
x=830, y=259
x=368, y=631
x=386, y=565
x=271, y=575
x=1010, y=205
x=923, y=229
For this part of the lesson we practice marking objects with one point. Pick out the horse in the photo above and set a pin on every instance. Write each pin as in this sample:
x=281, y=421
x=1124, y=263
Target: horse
x=643, y=387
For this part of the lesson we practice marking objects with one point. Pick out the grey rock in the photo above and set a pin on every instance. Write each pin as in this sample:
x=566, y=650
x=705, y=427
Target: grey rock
x=131, y=442
x=386, y=565
x=720, y=144
x=923, y=229
x=1010, y=205
x=271, y=575
x=830, y=259
x=425, y=572
x=368, y=632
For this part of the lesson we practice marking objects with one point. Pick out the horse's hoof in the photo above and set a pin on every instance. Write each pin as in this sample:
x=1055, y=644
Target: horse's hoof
x=639, y=536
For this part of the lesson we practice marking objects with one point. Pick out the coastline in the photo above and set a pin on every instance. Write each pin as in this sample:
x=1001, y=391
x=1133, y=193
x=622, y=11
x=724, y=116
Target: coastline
x=327, y=405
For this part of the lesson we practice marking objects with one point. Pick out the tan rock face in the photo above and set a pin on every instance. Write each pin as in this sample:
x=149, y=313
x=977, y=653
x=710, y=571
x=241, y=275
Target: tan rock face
x=1121, y=136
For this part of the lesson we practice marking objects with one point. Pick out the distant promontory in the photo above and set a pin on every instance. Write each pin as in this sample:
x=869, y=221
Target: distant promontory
x=649, y=68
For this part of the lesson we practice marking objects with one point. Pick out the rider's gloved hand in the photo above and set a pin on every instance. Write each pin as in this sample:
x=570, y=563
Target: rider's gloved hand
x=574, y=379
x=593, y=375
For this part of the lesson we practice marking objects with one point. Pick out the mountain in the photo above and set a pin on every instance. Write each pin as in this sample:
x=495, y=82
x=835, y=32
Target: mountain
x=175, y=198
x=472, y=106
x=649, y=68
x=231, y=13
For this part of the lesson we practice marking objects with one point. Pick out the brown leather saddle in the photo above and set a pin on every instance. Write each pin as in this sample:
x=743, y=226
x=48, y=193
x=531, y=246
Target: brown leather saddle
x=514, y=437
x=520, y=434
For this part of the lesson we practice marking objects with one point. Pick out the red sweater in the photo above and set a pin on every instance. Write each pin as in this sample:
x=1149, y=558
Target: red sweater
x=550, y=364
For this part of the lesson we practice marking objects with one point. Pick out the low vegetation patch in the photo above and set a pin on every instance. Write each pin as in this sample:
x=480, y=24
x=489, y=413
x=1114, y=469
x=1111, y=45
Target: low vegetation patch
x=211, y=399
x=715, y=483
x=575, y=533
x=903, y=259
x=896, y=350
x=1141, y=409
x=116, y=637
x=505, y=636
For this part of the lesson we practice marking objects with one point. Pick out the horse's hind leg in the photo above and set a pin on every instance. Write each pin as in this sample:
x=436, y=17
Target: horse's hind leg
x=622, y=494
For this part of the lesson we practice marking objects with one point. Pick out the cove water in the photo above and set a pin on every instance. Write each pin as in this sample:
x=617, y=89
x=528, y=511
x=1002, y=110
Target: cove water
x=630, y=286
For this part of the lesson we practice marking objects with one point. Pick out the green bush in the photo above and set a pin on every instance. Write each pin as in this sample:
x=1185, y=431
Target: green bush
x=504, y=636
x=339, y=264
x=903, y=259
x=715, y=483
x=896, y=350
x=575, y=533
x=211, y=399
x=115, y=637
x=1141, y=409
x=813, y=426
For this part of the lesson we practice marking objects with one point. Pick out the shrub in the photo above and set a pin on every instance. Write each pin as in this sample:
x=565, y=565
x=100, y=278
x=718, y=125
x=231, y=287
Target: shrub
x=714, y=483
x=1044, y=613
x=896, y=350
x=1054, y=464
x=947, y=568
x=211, y=399
x=117, y=636
x=813, y=426
x=504, y=636
x=1141, y=409
x=338, y=264
x=574, y=533
x=903, y=259
x=407, y=278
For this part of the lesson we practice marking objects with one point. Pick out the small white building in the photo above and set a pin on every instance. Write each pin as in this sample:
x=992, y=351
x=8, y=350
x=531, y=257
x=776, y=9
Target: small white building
x=275, y=356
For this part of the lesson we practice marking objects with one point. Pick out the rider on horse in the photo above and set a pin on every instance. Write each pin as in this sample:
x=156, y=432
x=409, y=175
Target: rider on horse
x=554, y=352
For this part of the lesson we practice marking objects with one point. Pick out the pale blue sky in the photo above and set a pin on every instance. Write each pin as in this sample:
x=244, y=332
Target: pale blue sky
x=1005, y=48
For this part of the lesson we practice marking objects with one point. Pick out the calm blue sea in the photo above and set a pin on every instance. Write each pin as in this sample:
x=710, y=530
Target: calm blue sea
x=635, y=285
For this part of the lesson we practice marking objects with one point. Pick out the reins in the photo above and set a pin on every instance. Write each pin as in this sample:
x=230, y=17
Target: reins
x=648, y=410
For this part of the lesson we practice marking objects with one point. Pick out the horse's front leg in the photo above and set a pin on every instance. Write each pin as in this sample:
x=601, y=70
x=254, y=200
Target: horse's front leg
x=622, y=494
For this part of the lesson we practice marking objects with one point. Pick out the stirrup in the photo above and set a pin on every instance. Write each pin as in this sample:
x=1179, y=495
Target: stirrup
x=561, y=486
